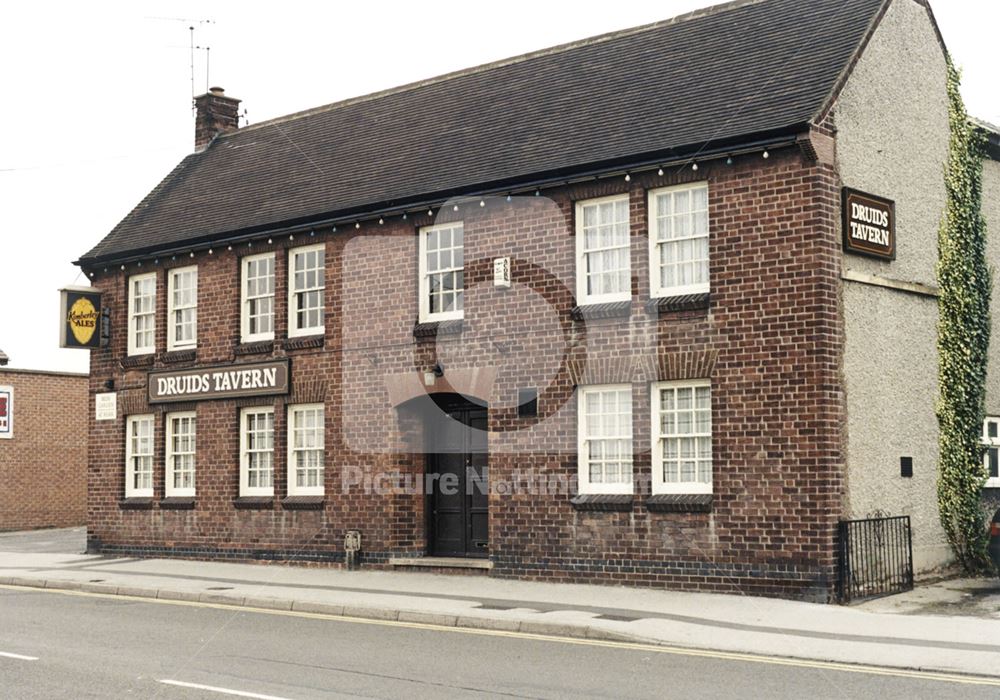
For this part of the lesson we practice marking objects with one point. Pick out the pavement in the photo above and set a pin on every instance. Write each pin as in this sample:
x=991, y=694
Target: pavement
x=875, y=633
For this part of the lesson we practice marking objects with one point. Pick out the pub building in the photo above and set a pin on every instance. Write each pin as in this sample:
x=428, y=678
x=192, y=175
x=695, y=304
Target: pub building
x=656, y=307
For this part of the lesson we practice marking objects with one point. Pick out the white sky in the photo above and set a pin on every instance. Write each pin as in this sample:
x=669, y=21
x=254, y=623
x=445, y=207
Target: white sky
x=97, y=102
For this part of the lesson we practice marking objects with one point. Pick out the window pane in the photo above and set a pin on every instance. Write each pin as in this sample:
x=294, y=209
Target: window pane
x=684, y=417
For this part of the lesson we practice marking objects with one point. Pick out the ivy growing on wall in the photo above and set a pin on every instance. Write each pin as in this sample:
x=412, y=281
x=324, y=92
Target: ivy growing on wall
x=963, y=339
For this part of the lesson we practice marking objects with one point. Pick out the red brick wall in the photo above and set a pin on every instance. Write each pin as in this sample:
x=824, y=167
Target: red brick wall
x=770, y=343
x=43, y=467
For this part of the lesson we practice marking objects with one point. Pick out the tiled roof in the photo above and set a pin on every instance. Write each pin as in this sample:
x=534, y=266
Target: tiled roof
x=726, y=74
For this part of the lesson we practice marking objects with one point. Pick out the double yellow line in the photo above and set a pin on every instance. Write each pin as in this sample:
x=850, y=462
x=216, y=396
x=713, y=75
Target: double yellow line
x=627, y=646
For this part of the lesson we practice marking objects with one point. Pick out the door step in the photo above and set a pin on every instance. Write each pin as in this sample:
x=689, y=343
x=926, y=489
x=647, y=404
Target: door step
x=442, y=565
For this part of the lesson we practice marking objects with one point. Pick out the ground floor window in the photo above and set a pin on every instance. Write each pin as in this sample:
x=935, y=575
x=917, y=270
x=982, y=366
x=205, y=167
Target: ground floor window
x=682, y=437
x=305, y=450
x=181, y=434
x=605, y=439
x=257, y=451
x=139, y=456
x=991, y=438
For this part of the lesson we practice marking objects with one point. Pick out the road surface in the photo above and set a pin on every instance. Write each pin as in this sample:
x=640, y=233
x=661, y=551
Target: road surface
x=76, y=645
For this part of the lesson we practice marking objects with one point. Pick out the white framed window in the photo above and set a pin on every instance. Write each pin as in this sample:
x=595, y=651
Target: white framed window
x=682, y=437
x=142, y=314
x=257, y=451
x=306, y=284
x=991, y=456
x=182, y=312
x=603, y=250
x=442, y=272
x=305, y=450
x=257, y=298
x=678, y=240
x=181, y=440
x=139, y=456
x=605, y=438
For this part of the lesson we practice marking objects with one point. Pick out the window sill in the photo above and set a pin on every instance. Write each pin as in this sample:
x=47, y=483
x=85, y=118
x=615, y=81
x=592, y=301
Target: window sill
x=602, y=503
x=302, y=502
x=254, y=502
x=303, y=342
x=186, y=355
x=432, y=329
x=680, y=503
x=136, y=503
x=258, y=347
x=589, y=312
x=682, y=302
x=177, y=503
x=137, y=361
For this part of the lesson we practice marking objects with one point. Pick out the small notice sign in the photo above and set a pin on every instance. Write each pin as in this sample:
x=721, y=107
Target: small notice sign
x=869, y=224
x=6, y=412
x=106, y=406
x=501, y=272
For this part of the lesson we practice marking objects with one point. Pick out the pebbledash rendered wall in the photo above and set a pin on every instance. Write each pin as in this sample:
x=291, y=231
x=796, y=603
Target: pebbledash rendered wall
x=991, y=211
x=43, y=467
x=769, y=341
x=892, y=140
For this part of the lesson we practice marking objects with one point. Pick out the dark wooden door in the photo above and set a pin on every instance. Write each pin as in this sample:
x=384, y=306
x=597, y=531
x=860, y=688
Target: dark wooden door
x=459, y=495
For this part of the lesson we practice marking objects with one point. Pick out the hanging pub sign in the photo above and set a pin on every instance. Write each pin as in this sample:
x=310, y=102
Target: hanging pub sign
x=80, y=323
x=869, y=224
x=6, y=412
x=222, y=382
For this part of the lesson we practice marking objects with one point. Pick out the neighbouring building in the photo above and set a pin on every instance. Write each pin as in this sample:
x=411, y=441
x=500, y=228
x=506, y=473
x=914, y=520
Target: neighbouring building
x=43, y=448
x=655, y=308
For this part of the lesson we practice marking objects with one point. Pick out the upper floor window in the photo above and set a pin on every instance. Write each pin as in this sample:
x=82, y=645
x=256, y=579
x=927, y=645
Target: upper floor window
x=142, y=314
x=182, y=314
x=257, y=292
x=139, y=456
x=682, y=437
x=603, y=265
x=257, y=451
x=678, y=240
x=605, y=439
x=442, y=272
x=991, y=438
x=306, y=282
x=181, y=443
x=305, y=450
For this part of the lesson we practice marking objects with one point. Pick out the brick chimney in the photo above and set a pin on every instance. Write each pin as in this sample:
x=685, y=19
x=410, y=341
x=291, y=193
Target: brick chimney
x=216, y=115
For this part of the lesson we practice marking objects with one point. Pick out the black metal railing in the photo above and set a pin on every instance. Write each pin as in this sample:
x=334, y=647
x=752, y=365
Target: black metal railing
x=876, y=557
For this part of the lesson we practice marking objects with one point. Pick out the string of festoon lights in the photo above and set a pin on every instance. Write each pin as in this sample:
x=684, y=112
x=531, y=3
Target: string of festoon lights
x=476, y=201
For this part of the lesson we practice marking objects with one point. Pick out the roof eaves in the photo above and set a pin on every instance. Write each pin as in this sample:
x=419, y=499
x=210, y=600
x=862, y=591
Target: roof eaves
x=992, y=133
x=769, y=139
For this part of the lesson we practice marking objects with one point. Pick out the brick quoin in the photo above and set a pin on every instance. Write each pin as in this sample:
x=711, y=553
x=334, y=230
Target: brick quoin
x=43, y=468
x=770, y=341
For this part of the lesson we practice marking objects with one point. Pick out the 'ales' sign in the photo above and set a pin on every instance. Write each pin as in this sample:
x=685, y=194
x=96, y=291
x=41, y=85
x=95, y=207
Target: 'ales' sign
x=225, y=382
x=80, y=322
x=869, y=225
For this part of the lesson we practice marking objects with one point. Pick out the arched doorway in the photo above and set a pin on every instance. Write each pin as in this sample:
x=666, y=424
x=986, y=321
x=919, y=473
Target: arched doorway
x=457, y=448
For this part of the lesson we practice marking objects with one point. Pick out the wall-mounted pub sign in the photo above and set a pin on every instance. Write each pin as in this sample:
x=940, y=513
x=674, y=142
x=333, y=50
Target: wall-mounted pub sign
x=222, y=382
x=82, y=323
x=869, y=224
